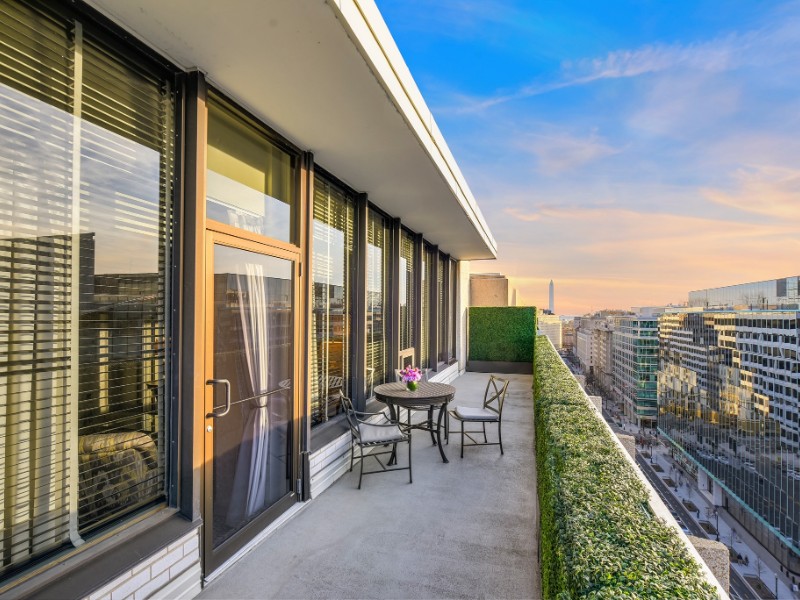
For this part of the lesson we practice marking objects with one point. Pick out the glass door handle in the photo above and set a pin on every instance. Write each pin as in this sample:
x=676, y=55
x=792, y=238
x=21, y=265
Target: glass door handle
x=227, y=385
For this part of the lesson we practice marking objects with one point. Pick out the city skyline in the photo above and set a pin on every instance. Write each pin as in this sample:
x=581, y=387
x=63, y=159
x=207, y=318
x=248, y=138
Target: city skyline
x=629, y=152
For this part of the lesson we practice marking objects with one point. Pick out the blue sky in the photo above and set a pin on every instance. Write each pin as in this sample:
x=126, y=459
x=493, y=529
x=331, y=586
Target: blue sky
x=631, y=151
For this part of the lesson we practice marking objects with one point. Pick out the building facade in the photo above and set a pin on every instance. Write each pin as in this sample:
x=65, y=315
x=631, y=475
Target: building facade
x=206, y=241
x=595, y=348
x=635, y=358
x=550, y=325
x=770, y=294
x=729, y=402
x=568, y=335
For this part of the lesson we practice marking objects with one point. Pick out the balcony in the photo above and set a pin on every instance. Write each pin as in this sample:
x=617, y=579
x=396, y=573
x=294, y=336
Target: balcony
x=471, y=528
x=462, y=530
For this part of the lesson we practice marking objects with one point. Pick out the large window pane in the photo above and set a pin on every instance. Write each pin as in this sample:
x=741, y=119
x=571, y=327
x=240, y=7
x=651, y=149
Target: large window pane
x=425, y=295
x=250, y=180
x=332, y=265
x=378, y=236
x=408, y=291
x=441, y=326
x=85, y=183
x=452, y=320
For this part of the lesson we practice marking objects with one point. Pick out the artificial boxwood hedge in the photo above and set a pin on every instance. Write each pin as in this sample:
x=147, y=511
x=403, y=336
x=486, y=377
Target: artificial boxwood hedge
x=503, y=333
x=597, y=538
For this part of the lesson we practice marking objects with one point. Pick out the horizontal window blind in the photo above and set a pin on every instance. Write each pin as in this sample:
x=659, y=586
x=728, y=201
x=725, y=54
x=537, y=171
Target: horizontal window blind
x=441, y=329
x=408, y=291
x=333, y=279
x=36, y=253
x=425, y=299
x=453, y=309
x=377, y=296
x=85, y=182
x=125, y=166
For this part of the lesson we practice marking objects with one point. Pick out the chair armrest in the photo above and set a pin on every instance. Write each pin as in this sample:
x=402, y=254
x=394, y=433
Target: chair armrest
x=359, y=414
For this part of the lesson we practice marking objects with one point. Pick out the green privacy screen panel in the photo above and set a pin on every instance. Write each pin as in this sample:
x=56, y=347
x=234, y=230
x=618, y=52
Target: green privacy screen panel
x=502, y=334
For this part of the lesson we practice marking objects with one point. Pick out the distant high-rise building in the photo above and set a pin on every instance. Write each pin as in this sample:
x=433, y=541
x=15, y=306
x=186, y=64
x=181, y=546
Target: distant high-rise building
x=729, y=403
x=552, y=298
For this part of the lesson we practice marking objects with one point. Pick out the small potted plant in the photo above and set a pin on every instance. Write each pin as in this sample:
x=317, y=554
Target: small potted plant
x=411, y=376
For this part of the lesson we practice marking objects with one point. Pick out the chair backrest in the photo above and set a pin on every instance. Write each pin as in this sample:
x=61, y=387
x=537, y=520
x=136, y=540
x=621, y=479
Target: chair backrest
x=406, y=357
x=352, y=419
x=495, y=394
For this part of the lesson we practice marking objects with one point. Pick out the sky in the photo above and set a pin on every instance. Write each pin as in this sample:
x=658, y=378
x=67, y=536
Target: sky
x=630, y=151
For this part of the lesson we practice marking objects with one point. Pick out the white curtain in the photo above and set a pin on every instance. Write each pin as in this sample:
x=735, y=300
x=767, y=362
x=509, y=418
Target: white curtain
x=251, y=479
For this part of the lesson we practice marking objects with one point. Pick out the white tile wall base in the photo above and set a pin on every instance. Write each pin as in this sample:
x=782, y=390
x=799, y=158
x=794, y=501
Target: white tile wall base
x=331, y=462
x=448, y=375
x=173, y=572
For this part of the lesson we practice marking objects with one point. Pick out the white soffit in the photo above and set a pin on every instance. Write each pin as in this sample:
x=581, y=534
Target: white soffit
x=329, y=77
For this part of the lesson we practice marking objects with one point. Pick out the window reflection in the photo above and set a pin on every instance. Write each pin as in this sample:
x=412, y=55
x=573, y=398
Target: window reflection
x=408, y=291
x=84, y=243
x=250, y=181
x=332, y=264
x=378, y=236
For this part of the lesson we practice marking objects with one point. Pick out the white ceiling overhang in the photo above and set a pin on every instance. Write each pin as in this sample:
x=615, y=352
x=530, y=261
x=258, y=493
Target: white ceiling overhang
x=329, y=77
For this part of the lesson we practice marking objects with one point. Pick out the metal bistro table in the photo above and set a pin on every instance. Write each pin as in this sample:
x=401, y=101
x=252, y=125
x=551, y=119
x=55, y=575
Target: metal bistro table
x=427, y=394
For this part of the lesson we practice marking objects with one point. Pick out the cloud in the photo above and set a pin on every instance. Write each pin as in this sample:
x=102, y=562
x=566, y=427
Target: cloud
x=521, y=215
x=765, y=190
x=614, y=257
x=560, y=152
x=774, y=42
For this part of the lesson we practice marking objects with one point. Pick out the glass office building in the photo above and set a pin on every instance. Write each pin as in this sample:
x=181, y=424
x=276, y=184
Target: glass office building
x=635, y=355
x=729, y=403
x=771, y=294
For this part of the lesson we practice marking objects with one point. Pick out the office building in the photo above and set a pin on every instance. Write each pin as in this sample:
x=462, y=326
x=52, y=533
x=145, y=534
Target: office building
x=635, y=360
x=770, y=294
x=550, y=325
x=594, y=342
x=729, y=403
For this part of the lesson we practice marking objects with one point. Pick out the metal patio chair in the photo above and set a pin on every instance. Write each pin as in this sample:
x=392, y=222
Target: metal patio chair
x=369, y=430
x=490, y=412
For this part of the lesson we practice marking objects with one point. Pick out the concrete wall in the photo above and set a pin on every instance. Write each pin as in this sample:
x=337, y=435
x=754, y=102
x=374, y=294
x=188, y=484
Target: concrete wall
x=717, y=557
x=488, y=291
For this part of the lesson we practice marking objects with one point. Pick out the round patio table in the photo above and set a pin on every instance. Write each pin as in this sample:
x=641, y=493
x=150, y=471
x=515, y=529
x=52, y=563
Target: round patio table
x=430, y=394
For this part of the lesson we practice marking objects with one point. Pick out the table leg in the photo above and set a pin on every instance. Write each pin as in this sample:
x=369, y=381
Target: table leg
x=393, y=414
x=430, y=424
x=442, y=411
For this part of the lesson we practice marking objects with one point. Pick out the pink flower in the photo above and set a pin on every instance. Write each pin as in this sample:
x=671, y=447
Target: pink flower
x=410, y=374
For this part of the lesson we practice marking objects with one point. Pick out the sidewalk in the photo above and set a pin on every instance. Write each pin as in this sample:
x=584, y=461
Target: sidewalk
x=730, y=532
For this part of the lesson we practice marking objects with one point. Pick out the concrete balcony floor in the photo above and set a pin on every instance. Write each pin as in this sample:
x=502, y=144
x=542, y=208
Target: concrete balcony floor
x=467, y=529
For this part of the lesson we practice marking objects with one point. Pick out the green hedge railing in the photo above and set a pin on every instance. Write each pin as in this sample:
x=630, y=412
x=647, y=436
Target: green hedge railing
x=503, y=333
x=598, y=537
